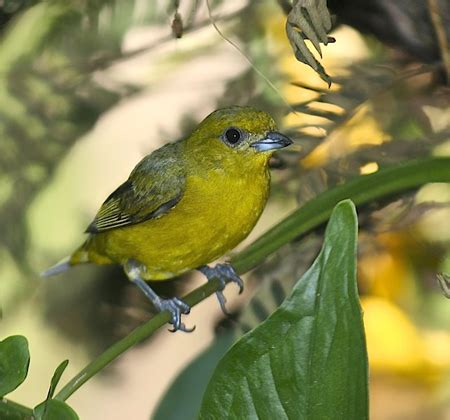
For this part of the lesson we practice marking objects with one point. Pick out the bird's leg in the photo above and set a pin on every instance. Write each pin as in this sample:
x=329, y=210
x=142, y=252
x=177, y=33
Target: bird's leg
x=224, y=273
x=175, y=306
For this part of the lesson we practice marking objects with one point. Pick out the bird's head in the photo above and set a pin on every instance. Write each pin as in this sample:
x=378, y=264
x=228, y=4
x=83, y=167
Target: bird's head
x=245, y=131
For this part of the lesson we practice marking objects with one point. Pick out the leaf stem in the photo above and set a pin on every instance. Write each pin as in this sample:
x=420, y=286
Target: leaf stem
x=360, y=190
x=136, y=336
x=14, y=410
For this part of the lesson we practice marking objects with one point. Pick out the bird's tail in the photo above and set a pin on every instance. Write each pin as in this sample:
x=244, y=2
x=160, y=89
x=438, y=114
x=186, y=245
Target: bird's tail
x=80, y=256
x=63, y=265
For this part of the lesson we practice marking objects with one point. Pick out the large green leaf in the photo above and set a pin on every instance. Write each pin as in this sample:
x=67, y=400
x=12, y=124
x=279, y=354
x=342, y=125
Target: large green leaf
x=308, y=360
x=14, y=361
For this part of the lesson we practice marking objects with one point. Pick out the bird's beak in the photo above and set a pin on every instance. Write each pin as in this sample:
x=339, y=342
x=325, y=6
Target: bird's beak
x=272, y=141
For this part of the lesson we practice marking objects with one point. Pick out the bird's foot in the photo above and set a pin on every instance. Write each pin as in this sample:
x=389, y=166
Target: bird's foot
x=224, y=273
x=176, y=307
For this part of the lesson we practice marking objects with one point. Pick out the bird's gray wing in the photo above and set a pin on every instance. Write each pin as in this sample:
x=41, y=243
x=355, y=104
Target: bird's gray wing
x=154, y=187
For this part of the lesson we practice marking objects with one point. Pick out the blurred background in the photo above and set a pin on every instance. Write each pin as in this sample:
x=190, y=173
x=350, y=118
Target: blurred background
x=87, y=88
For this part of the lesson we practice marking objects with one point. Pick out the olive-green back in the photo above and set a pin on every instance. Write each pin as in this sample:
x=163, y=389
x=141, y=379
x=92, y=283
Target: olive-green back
x=156, y=185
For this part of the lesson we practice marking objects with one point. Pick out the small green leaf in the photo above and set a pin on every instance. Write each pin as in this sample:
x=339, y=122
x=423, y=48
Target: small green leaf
x=54, y=410
x=308, y=360
x=14, y=361
x=56, y=377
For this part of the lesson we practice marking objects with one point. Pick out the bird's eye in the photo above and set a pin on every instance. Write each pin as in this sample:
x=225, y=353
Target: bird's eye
x=233, y=135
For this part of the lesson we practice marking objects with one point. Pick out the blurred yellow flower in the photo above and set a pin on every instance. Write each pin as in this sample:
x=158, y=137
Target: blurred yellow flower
x=396, y=346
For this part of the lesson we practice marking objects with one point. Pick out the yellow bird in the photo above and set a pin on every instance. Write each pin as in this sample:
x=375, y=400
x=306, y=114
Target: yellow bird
x=185, y=205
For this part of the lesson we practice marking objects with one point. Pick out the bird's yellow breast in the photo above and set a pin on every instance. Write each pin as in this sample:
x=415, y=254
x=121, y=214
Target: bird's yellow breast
x=218, y=210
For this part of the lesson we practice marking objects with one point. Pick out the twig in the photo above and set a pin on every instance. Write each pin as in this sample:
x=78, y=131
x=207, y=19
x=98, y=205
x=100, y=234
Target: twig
x=253, y=66
x=104, y=62
x=139, y=334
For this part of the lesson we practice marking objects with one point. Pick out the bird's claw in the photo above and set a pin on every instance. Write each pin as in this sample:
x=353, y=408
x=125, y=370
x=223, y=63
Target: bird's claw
x=224, y=273
x=222, y=302
x=181, y=327
x=176, y=308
